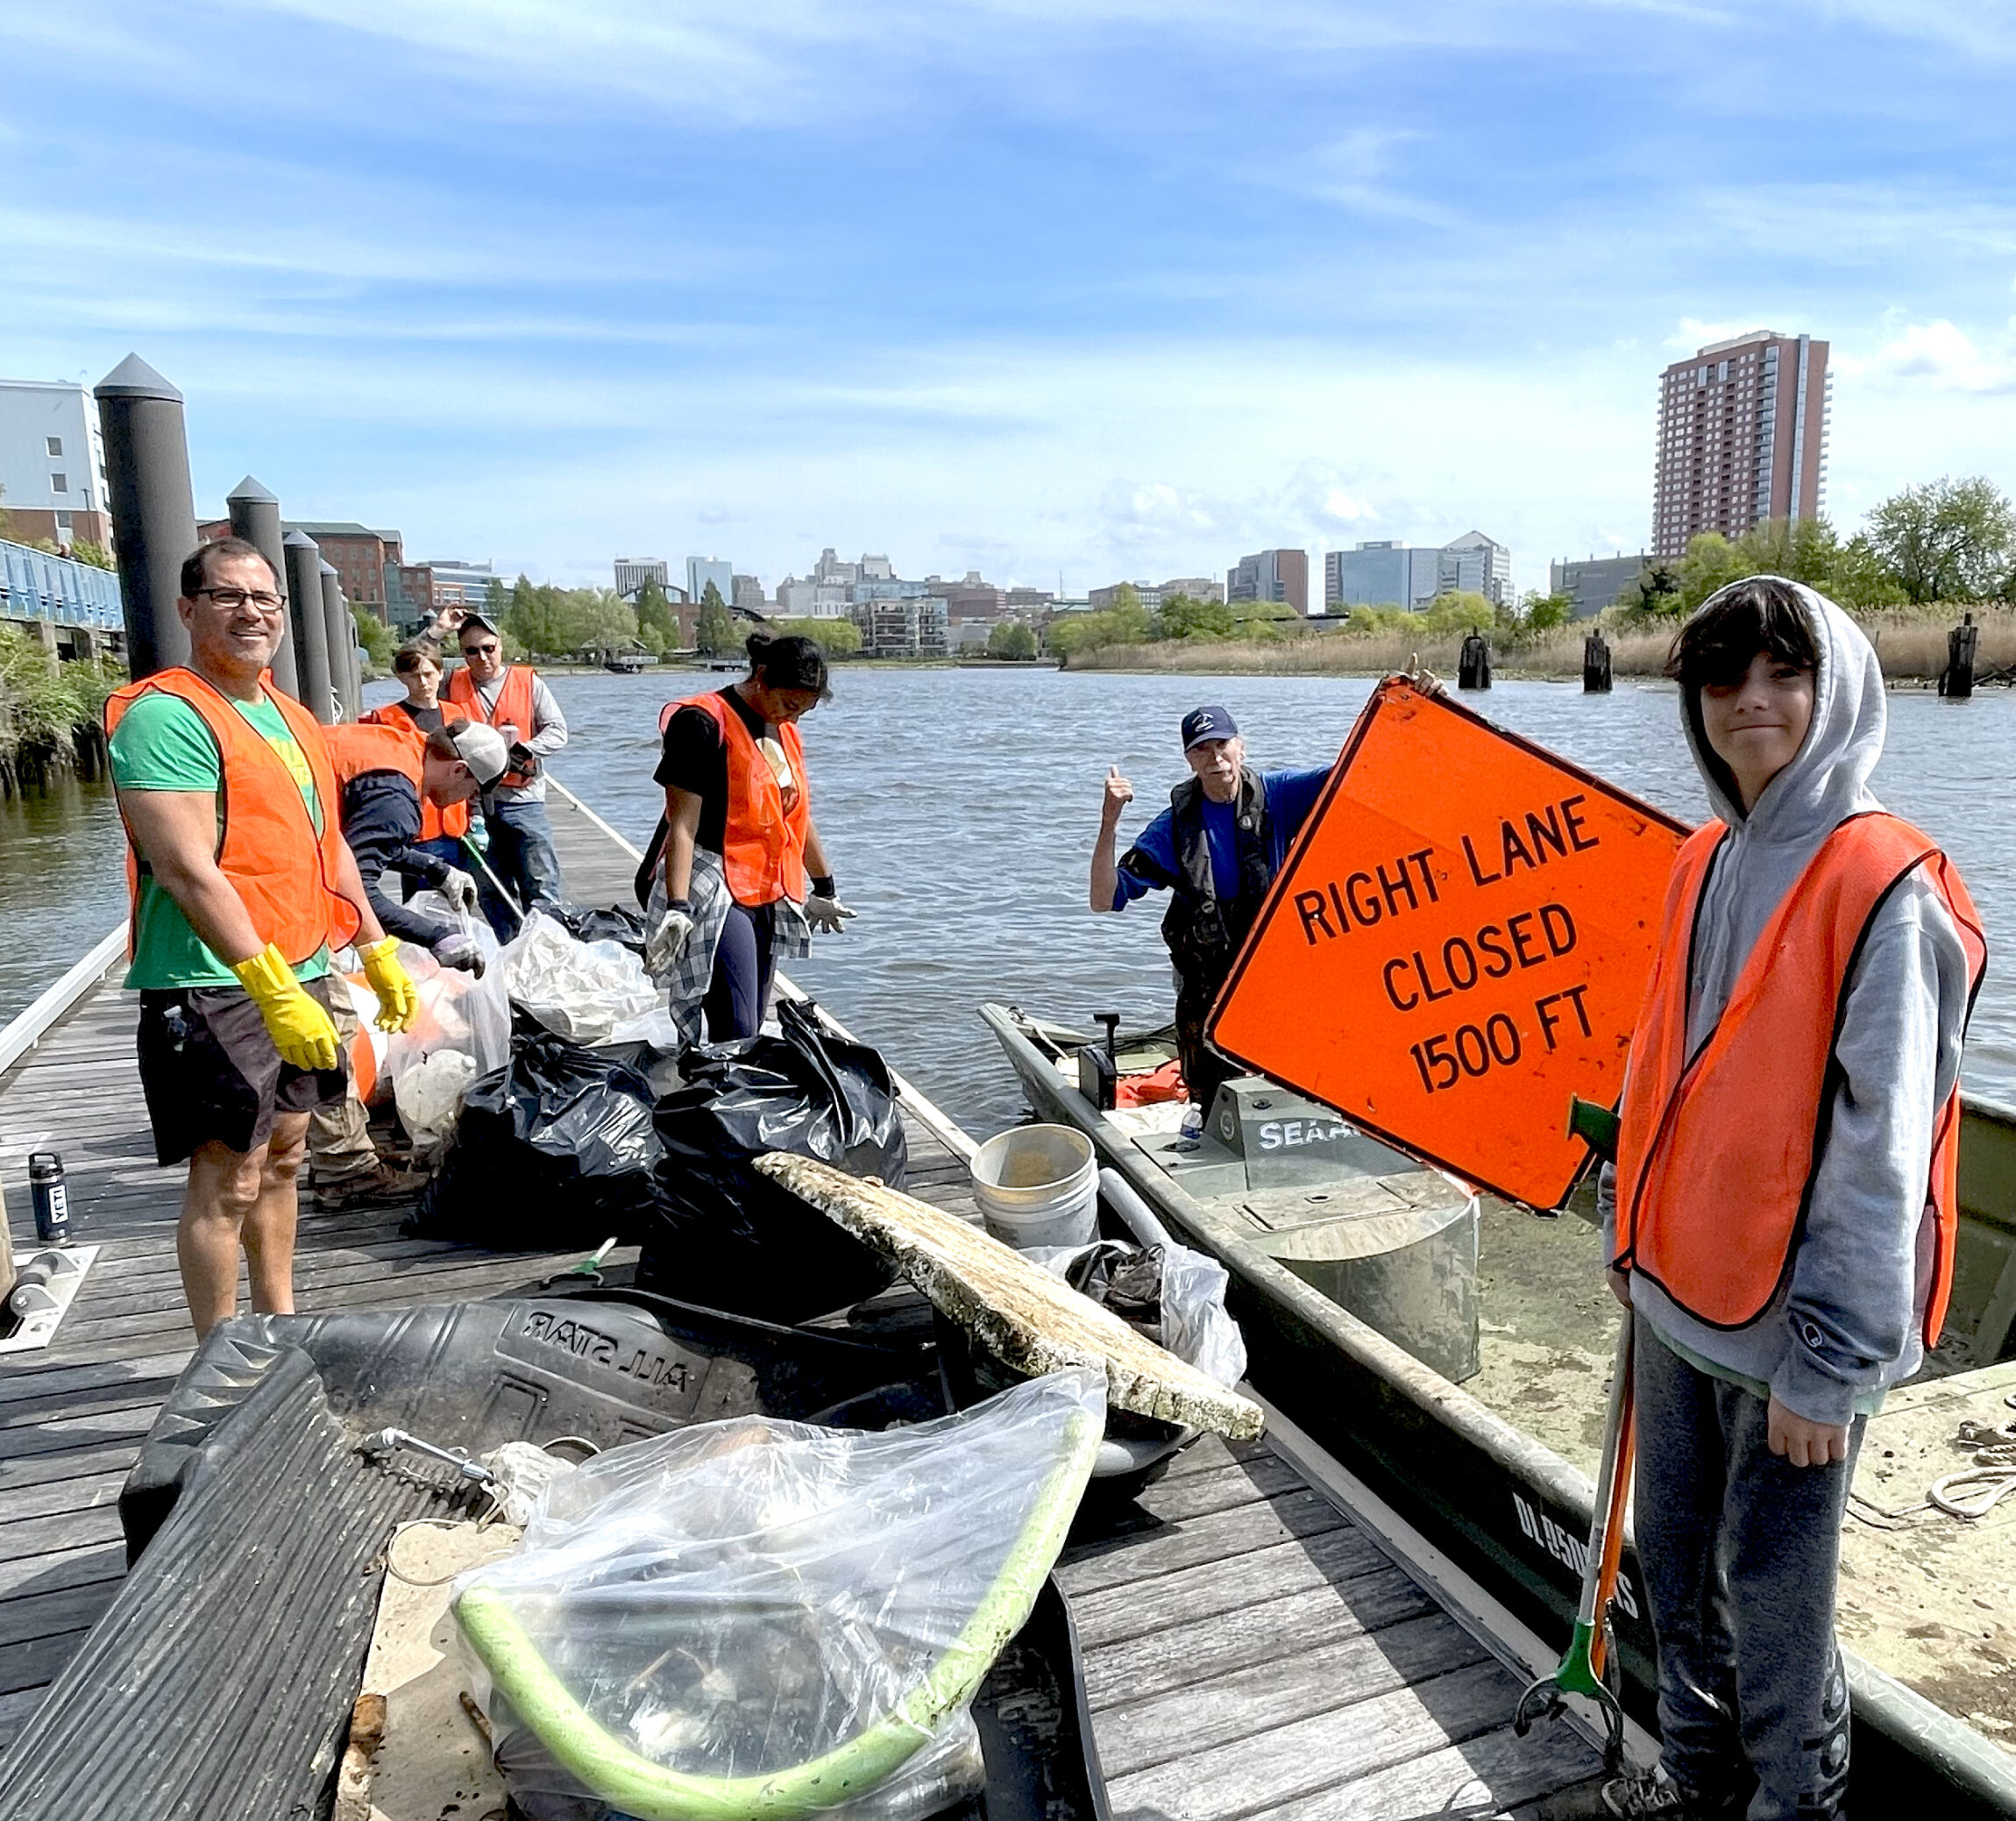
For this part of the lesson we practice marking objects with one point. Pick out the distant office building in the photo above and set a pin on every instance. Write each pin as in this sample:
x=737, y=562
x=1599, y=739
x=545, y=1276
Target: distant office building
x=902, y=626
x=1595, y=582
x=632, y=572
x=1271, y=575
x=1197, y=588
x=51, y=465
x=421, y=590
x=811, y=600
x=874, y=569
x=1475, y=565
x=970, y=598
x=748, y=597
x=702, y=569
x=1029, y=603
x=1742, y=437
x=1146, y=592
x=1382, y=574
x=829, y=568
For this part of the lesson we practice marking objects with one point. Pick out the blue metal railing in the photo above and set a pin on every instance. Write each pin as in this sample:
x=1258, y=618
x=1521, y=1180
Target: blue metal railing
x=36, y=586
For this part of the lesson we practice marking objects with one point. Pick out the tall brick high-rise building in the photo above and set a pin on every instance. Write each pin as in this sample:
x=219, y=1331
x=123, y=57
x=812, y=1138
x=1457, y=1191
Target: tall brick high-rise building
x=1742, y=437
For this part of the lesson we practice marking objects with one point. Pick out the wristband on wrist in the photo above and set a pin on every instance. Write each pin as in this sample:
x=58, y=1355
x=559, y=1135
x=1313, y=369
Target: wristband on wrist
x=823, y=885
x=678, y=904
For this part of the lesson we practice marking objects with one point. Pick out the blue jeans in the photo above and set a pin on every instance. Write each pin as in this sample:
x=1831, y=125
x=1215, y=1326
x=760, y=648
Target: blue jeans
x=1740, y=1550
x=521, y=856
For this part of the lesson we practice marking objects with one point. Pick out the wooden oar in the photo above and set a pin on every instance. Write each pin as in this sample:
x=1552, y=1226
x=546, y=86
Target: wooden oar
x=1032, y=1322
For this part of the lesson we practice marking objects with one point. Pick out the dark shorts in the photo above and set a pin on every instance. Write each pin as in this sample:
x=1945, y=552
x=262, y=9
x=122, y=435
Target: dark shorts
x=210, y=1070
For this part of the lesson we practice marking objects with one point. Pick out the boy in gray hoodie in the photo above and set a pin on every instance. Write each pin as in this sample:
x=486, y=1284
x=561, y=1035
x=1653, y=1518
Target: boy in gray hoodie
x=1780, y=1219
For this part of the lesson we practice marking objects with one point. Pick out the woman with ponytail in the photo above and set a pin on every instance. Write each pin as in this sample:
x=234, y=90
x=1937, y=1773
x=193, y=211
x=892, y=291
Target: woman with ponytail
x=736, y=874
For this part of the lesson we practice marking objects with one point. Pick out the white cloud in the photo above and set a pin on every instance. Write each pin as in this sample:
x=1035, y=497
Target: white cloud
x=1937, y=354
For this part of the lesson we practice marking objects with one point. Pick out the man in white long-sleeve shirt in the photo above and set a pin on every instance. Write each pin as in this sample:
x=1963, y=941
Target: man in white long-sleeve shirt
x=513, y=698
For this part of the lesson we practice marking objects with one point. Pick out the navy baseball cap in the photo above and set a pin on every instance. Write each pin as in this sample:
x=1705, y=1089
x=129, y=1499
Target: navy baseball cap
x=1208, y=723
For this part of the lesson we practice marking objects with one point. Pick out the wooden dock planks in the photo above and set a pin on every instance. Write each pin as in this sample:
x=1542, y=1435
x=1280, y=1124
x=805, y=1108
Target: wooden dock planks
x=1251, y=1652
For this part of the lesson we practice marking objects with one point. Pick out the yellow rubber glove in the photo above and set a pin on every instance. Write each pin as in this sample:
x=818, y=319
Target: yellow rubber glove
x=299, y=1027
x=398, y=1004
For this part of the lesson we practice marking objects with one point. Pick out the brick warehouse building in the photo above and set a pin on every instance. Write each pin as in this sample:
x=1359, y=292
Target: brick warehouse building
x=1742, y=437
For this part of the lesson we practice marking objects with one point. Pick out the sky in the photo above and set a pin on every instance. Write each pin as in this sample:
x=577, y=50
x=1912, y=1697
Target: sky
x=1065, y=291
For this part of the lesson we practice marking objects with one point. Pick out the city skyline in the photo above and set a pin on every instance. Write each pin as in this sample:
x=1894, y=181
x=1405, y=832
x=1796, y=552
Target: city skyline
x=546, y=291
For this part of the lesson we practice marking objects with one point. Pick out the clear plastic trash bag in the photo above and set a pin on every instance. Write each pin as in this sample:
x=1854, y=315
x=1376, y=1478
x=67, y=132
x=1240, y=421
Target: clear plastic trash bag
x=761, y=1618
x=462, y=1030
x=588, y=993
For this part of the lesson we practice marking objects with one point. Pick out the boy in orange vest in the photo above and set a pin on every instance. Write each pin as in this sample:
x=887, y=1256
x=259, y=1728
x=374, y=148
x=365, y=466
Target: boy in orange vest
x=1781, y=1218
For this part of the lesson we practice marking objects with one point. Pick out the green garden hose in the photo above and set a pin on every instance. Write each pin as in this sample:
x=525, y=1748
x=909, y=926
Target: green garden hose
x=634, y=1784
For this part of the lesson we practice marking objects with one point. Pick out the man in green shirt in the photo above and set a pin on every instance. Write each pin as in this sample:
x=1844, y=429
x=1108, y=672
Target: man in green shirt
x=240, y=881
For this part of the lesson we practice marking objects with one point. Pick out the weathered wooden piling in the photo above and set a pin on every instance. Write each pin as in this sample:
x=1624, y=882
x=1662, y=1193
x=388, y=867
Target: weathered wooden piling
x=1595, y=665
x=255, y=518
x=343, y=676
x=1957, y=680
x=1473, y=665
x=153, y=507
x=309, y=621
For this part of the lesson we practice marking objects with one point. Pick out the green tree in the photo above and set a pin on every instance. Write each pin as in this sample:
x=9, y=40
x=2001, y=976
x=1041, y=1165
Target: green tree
x=95, y=554
x=1184, y=616
x=1540, y=613
x=1073, y=634
x=1947, y=540
x=1451, y=615
x=1011, y=639
x=716, y=635
x=375, y=635
x=658, y=625
x=528, y=617
x=837, y=638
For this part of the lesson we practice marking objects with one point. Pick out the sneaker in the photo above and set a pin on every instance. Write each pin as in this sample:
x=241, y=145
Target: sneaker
x=1637, y=1796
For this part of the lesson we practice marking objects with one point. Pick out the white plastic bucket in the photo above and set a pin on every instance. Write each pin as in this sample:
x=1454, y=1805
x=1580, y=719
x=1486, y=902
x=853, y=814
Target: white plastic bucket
x=1039, y=1185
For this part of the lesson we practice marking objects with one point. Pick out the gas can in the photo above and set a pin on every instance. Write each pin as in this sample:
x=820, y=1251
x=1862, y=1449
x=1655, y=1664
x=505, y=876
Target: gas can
x=51, y=1198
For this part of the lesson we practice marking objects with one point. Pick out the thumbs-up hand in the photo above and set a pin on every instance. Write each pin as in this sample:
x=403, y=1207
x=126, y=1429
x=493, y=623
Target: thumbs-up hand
x=1119, y=794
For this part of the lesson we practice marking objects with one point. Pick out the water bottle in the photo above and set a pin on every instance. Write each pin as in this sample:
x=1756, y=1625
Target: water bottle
x=51, y=1198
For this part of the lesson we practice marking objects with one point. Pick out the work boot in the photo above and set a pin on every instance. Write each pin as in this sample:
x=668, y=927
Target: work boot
x=373, y=1188
x=1636, y=1796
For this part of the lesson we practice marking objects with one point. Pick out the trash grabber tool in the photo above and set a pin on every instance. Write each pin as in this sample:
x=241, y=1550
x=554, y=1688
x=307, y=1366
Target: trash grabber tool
x=1581, y=1670
x=503, y=891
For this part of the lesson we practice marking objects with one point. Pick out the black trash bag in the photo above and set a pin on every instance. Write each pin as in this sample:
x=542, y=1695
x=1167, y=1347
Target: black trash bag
x=725, y=1235
x=1125, y=1278
x=614, y=925
x=553, y=1151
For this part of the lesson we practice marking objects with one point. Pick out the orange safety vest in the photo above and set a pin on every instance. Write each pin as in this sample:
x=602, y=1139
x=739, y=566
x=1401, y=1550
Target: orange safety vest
x=1718, y=1153
x=515, y=707
x=763, y=844
x=452, y=821
x=266, y=844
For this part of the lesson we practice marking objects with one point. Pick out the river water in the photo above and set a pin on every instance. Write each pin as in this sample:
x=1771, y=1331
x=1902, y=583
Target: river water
x=959, y=807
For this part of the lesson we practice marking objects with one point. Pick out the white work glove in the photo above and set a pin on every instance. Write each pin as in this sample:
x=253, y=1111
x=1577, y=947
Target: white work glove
x=460, y=950
x=668, y=942
x=459, y=890
x=823, y=909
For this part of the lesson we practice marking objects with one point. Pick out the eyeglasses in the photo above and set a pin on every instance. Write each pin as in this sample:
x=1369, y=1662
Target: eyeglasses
x=229, y=598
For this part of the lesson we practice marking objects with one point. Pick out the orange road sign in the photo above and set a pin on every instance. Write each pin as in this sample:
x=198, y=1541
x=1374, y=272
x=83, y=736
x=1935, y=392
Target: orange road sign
x=1457, y=945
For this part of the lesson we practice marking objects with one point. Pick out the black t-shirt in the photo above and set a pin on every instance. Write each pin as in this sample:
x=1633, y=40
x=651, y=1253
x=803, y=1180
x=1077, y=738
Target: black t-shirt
x=696, y=760
x=427, y=719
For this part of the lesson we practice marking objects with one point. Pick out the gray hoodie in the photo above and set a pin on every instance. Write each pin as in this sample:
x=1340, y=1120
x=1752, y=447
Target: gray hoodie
x=1848, y=1324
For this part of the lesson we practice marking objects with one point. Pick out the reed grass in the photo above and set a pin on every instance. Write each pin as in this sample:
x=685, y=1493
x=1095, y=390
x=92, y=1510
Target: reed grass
x=1910, y=644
